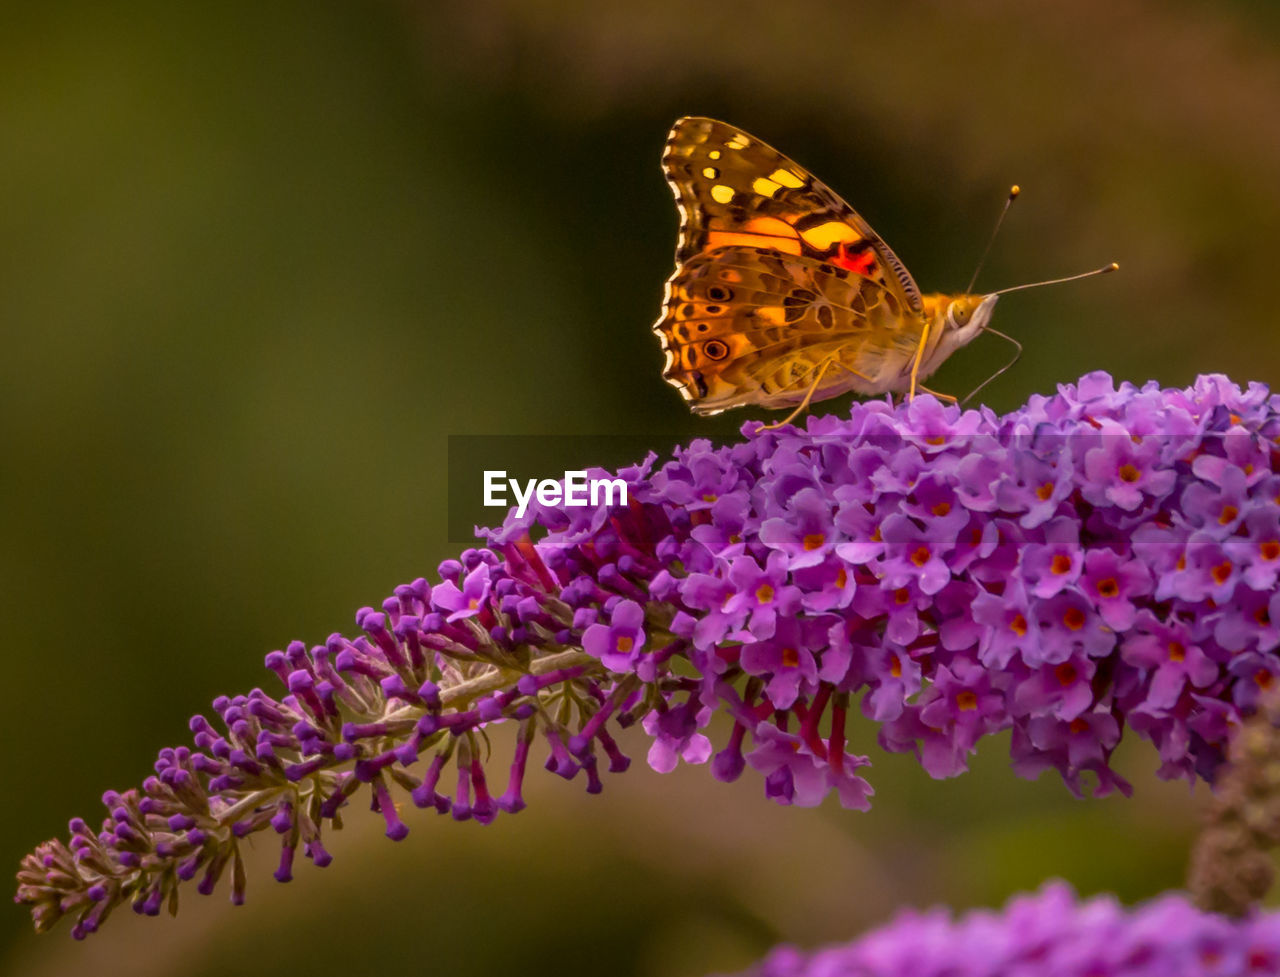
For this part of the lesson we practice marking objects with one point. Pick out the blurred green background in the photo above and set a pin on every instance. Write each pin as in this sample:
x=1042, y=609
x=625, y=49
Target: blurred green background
x=258, y=261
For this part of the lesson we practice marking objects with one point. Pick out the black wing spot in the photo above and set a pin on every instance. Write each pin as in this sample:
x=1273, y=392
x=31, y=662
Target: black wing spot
x=713, y=310
x=703, y=327
x=715, y=349
x=719, y=293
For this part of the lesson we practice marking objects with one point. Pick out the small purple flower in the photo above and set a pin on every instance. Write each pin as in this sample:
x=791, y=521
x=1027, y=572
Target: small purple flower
x=958, y=709
x=1114, y=583
x=1055, y=564
x=676, y=737
x=760, y=595
x=1125, y=470
x=1168, y=652
x=787, y=659
x=465, y=601
x=794, y=774
x=620, y=644
x=1068, y=623
x=806, y=535
x=1063, y=690
x=1258, y=551
x=913, y=556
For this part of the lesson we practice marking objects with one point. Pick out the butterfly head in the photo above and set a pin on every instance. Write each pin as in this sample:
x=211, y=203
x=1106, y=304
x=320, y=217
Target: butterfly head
x=968, y=315
x=957, y=322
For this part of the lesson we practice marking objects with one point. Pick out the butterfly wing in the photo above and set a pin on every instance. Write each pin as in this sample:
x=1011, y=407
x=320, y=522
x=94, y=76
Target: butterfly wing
x=737, y=195
x=732, y=188
x=746, y=325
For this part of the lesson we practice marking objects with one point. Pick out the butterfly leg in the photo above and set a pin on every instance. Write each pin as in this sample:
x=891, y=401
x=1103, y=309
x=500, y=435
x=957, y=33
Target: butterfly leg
x=947, y=397
x=915, y=364
x=807, y=397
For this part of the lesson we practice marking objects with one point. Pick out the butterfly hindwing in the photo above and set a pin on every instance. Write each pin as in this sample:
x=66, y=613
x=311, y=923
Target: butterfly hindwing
x=746, y=325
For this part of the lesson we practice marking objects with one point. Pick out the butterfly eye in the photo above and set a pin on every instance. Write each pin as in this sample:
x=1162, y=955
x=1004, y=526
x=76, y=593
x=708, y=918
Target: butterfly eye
x=715, y=350
x=718, y=293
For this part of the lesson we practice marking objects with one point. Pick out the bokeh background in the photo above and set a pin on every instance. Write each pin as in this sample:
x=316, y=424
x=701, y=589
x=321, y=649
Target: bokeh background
x=258, y=261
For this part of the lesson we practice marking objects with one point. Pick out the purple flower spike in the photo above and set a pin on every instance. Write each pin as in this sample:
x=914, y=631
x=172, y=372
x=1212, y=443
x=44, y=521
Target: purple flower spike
x=1048, y=934
x=1101, y=560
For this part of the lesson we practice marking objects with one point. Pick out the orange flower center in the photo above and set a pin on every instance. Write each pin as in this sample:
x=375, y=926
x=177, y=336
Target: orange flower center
x=941, y=509
x=623, y=644
x=1263, y=679
x=1108, y=588
x=1228, y=515
x=1018, y=625
x=790, y=657
x=967, y=701
x=895, y=667
x=1129, y=473
x=1073, y=618
x=901, y=595
x=1222, y=572
x=921, y=556
x=1177, y=651
x=1066, y=673
x=842, y=579
x=1078, y=726
x=935, y=440
x=814, y=540
x=764, y=593
x=1061, y=563
x=1270, y=550
x=1044, y=491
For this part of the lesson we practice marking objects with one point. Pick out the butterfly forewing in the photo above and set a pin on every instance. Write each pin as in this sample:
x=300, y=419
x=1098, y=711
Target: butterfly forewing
x=734, y=189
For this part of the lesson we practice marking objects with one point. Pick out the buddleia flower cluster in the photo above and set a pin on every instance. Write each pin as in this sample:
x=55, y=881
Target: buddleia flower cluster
x=1049, y=934
x=1100, y=560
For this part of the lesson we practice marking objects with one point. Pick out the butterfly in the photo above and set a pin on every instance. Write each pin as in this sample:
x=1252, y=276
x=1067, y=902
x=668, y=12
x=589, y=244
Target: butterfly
x=782, y=293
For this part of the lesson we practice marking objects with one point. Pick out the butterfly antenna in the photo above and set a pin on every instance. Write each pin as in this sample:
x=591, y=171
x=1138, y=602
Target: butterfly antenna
x=1058, y=281
x=1017, y=354
x=1008, y=202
